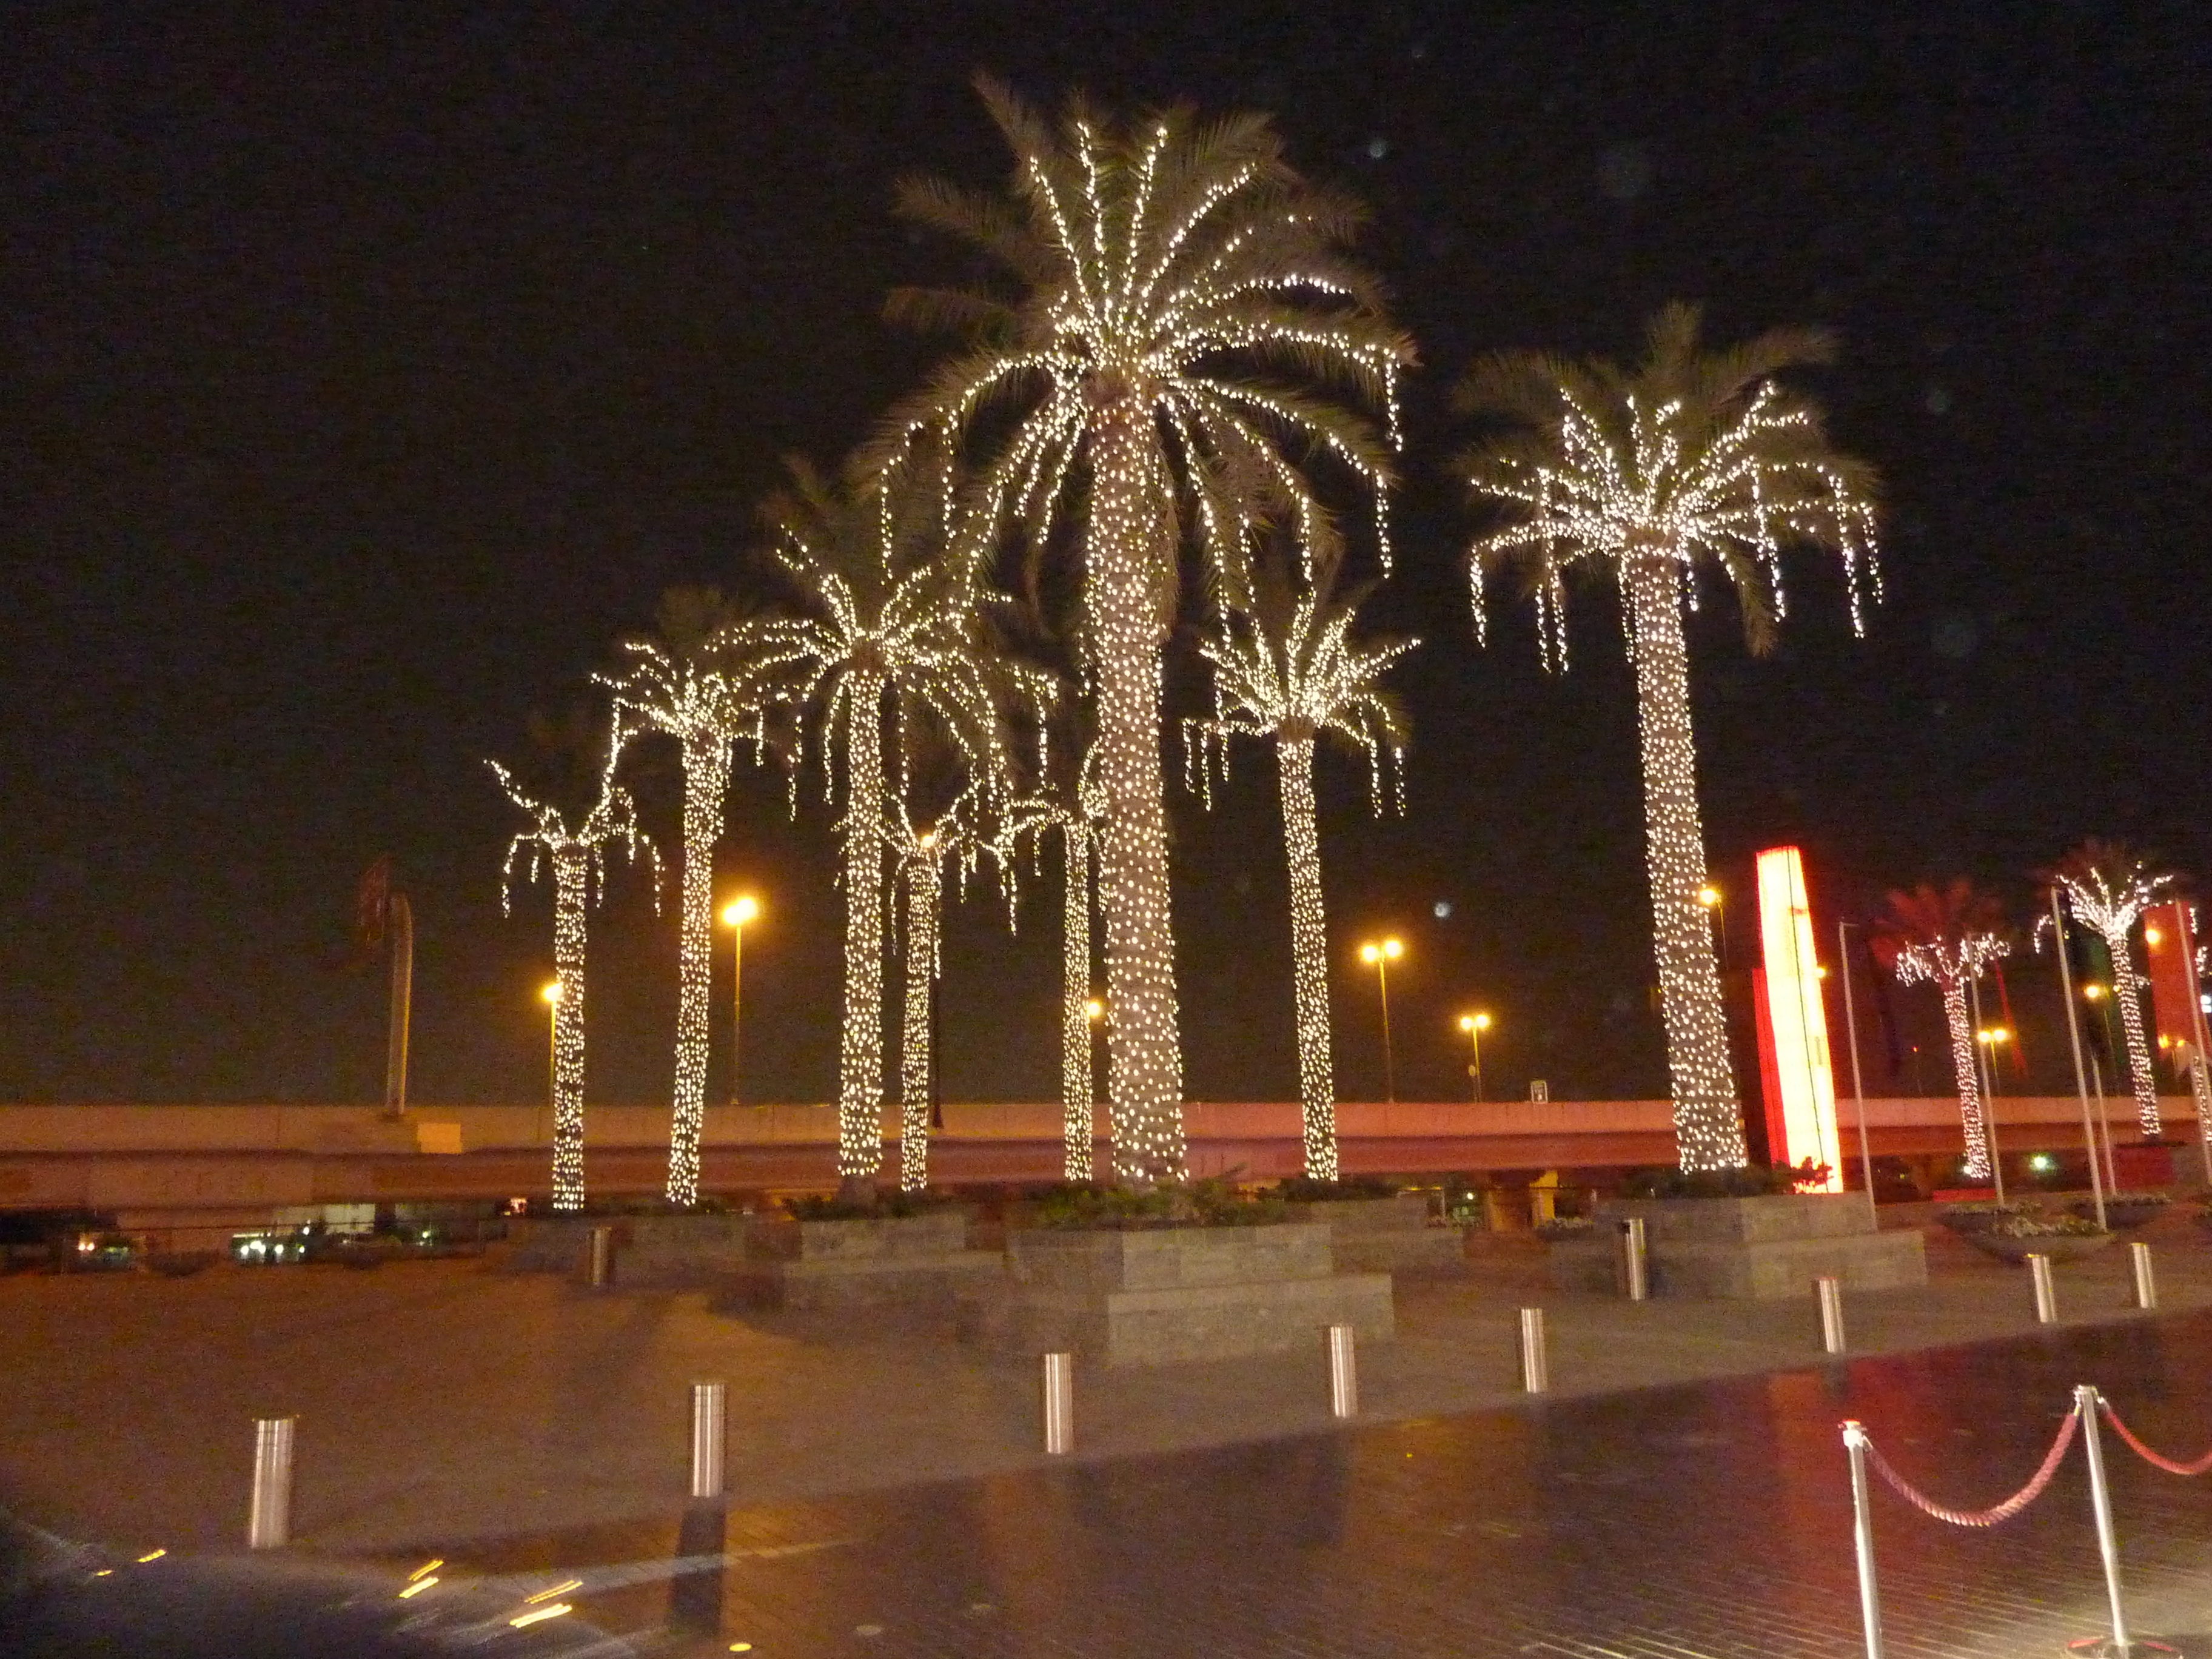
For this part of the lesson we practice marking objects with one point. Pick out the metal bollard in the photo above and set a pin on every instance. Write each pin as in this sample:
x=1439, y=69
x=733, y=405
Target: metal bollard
x=269, y=1522
x=1634, y=1259
x=1058, y=1404
x=1831, y=1312
x=2100, y=1504
x=1343, y=1373
x=599, y=1258
x=1536, y=1366
x=2046, y=1298
x=1862, y=1535
x=2146, y=1285
x=709, y=1435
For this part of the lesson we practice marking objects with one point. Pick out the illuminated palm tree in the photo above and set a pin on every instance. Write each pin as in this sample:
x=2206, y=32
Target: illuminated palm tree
x=1944, y=936
x=1286, y=667
x=578, y=860
x=1176, y=323
x=689, y=685
x=1646, y=477
x=887, y=633
x=922, y=853
x=2107, y=887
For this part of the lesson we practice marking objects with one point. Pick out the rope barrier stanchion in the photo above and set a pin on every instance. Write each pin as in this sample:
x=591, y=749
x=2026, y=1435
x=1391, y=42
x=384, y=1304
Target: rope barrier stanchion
x=2170, y=1465
x=2085, y=1400
x=1855, y=1447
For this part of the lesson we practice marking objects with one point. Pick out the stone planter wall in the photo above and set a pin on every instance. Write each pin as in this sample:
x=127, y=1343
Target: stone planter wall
x=1744, y=1249
x=1387, y=1235
x=902, y=1267
x=1151, y=1297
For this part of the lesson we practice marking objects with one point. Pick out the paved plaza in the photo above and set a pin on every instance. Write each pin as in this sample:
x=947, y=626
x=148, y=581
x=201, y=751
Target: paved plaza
x=1681, y=1493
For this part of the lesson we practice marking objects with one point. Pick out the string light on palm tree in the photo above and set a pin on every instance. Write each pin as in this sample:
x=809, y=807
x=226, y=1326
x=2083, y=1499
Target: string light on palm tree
x=1474, y=1026
x=735, y=914
x=1180, y=323
x=1690, y=460
x=1946, y=937
x=1287, y=668
x=1379, y=954
x=2107, y=887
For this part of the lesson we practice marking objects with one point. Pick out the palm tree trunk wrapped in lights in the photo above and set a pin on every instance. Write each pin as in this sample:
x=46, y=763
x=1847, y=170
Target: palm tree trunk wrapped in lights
x=1178, y=317
x=2108, y=887
x=1075, y=1072
x=1688, y=460
x=1708, y=1127
x=706, y=781
x=925, y=905
x=1973, y=1111
x=860, y=1035
x=1294, y=761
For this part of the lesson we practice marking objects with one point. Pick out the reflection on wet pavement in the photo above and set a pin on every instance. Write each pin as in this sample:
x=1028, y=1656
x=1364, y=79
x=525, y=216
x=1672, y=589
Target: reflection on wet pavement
x=1712, y=1519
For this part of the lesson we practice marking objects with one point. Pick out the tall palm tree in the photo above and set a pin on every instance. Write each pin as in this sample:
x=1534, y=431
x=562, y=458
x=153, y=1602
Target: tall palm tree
x=1287, y=667
x=688, y=683
x=577, y=857
x=2107, y=887
x=1645, y=475
x=1944, y=936
x=1176, y=323
x=886, y=632
x=922, y=851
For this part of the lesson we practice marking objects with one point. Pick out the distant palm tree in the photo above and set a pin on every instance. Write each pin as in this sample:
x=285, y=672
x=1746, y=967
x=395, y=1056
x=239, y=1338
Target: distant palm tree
x=1944, y=936
x=923, y=850
x=886, y=633
x=578, y=857
x=1644, y=476
x=1286, y=667
x=1178, y=321
x=2107, y=887
x=691, y=684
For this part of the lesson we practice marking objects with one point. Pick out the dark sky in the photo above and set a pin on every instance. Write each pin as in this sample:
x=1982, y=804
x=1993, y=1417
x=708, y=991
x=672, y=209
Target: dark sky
x=369, y=368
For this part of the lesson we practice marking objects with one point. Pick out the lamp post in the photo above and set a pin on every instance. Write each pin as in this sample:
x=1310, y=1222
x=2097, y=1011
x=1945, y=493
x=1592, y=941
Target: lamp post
x=552, y=995
x=735, y=914
x=1715, y=900
x=1379, y=954
x=1474, y=1026
x=1989, y=1037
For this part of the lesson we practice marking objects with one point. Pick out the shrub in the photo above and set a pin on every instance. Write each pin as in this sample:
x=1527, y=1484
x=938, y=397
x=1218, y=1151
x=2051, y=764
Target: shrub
x=1303, y=1189
x=884, y=1206
x=1751, y=1181
x=1197, y=1204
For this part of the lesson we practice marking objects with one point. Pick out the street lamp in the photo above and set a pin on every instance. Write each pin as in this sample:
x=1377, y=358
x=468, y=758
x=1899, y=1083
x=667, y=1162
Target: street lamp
x=1474, y=1026
x=735, y=914
x=1712, y=899
x=1379, y=954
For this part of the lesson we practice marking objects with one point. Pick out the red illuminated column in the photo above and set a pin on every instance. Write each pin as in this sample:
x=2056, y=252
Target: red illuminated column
x=1793, y=1026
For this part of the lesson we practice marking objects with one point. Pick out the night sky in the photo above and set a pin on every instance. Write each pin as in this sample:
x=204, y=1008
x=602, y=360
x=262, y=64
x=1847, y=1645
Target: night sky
x=368, y=368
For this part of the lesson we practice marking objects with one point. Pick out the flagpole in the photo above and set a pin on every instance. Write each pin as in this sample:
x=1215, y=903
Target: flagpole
x=403, y=1005
x=1858, y=1087
x=2074, y=1036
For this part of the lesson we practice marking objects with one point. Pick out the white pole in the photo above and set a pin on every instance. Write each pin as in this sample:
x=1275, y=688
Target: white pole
x=2200, y=1078
x=1636, y=1260
x=2146, y=1285
x=269, y=1521
x=2100, y=1502
x=2105, y=1126
x=1863, y=1540
x=2074, y=1036
x=1535, y=1367
x=2046, y=1298
x=1343, y=1373
x=1859, y=1086
x=1058, y=1404
x=1831, y=1313
x=709, y=1423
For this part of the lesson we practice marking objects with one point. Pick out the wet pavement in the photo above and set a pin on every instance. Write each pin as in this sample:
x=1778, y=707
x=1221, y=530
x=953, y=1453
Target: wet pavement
x=1713, y=1520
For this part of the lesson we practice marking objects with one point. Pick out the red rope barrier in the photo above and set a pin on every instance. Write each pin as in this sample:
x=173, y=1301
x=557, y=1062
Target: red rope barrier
x=2144, y=1452
x=1991, y=1516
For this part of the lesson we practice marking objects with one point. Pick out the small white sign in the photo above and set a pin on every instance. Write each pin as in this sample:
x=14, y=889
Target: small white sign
x=1539, y=1092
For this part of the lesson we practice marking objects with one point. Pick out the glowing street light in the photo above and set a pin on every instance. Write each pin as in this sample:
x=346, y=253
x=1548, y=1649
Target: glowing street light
x=1474, y=1026
x=1379, y=954
x=550, y=991
x=1717, y=902
x=735, y=914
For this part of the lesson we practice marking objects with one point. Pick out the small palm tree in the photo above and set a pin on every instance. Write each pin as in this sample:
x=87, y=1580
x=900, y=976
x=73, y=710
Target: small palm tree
x=1177, y=320
x=577, y=856
x=922, y=852
x=1286, y=667
x=887, y=632
x=688, y=683
x=2107, y=887
x=1944, y=936
x=1645, y=476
